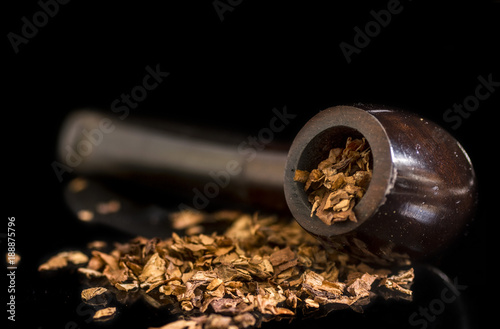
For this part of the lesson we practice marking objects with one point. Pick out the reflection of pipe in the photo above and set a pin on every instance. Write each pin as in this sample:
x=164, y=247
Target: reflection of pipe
x=189, y=163
x=449, y=299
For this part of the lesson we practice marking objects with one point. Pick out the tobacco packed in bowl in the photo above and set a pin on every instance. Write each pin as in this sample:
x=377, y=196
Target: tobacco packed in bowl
x=338, y=182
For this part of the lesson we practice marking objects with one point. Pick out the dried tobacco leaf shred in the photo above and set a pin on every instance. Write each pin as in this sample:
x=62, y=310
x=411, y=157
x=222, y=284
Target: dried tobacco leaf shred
x=105, y=314
x=338, y=182
x=95, y=296
x=273, y=269
x=64, y=259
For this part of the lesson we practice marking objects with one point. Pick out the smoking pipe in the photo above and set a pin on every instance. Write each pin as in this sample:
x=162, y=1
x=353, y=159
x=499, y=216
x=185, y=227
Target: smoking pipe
x=421, y=195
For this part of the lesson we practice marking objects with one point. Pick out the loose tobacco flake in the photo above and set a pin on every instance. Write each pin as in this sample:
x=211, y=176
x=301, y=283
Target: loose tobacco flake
x=64, y=259
x=273, y=270
x=338, y=182
x=105, y=314
x=95, y=296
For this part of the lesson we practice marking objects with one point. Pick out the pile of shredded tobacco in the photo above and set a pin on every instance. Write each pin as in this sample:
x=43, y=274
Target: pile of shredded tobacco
x=338, y=182
x=262, y=268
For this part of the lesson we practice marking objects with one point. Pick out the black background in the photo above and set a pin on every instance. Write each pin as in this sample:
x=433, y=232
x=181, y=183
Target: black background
x=230, y=74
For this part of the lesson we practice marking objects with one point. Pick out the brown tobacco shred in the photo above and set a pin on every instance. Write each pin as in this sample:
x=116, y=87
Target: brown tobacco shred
x=338, y=182
x=95, y=296
x=105, y=314
x=64, y=259
x=271, y=269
